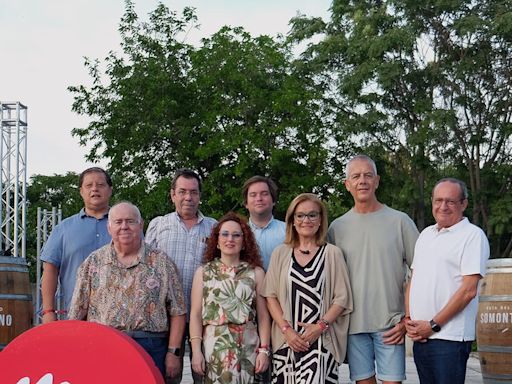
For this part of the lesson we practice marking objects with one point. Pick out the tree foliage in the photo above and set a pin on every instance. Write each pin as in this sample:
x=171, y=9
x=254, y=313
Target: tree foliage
x=424, y=88
x=234, y=107
x=49, y=192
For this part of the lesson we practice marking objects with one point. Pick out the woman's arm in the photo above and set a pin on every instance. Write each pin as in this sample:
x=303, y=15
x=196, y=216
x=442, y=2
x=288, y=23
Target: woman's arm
x=314, y=330
x=196, y=323
x=262, y=359
x=293, y=339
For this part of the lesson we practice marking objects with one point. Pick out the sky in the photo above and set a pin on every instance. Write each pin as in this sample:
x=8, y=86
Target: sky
x=43, y=44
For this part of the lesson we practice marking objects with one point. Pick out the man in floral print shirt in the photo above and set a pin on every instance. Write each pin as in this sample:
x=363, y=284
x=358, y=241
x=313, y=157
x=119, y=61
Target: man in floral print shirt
x=135, y=288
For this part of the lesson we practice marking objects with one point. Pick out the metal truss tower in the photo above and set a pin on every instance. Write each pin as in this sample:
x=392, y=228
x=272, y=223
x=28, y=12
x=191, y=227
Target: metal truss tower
x=13, y=180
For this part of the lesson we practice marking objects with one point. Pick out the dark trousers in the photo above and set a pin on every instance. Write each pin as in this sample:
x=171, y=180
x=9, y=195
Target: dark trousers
x=156, y=347
x=441, y=361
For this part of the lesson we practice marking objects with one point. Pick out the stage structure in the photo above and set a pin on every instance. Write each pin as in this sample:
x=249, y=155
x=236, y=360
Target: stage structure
x=16, y=311
x=13, y=180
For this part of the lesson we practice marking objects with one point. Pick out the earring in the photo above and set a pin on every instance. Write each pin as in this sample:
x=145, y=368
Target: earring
x=218, y=246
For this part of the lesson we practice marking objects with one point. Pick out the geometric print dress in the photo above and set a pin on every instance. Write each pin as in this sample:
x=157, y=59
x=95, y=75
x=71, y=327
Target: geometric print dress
x=230, y=334
x=305, y=289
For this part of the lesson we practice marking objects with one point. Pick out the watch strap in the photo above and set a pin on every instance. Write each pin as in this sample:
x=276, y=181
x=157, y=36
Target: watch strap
x=434, y=326
x=174, y=351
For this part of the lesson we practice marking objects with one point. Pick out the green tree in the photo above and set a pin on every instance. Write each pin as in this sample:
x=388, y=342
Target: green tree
x=47, y=192
x=234, y=107
x=425, y=89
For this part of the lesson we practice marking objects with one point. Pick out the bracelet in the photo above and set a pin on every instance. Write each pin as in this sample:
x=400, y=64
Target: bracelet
x=324, y=325
x=45, y=311
x=284, y=328
x=195, y=337
x=266, y=351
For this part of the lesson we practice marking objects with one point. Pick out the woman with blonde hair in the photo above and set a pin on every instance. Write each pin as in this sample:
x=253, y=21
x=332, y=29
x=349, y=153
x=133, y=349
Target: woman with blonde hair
x=309, y=298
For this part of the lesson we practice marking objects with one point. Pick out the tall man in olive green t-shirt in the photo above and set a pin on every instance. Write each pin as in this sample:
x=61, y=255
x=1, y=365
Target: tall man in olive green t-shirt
x=377, y=243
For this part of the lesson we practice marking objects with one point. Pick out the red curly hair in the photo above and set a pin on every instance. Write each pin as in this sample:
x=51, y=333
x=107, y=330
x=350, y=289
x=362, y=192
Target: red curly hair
x=250, y=251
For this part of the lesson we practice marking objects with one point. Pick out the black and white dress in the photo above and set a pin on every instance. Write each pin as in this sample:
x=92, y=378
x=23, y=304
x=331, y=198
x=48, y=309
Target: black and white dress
x=305, y=289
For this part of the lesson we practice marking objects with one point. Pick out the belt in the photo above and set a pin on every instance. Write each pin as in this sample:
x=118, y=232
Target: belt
x=144, y=334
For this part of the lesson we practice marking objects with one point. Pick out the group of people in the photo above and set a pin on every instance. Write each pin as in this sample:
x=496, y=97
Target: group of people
x=270, y=301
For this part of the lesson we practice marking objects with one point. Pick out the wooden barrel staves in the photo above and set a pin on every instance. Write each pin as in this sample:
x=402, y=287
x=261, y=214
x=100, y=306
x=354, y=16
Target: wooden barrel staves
x=494, y=322
x=15, y=298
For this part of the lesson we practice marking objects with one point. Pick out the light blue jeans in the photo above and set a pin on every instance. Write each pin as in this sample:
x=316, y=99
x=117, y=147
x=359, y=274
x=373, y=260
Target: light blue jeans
x=365, y=350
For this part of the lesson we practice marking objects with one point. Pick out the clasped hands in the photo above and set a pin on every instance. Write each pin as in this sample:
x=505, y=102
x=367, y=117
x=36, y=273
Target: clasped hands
x=418, y=330
x=300, y=342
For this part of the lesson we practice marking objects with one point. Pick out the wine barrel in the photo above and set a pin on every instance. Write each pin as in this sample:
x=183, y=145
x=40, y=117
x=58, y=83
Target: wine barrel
x=15, y=298
x=494, y=322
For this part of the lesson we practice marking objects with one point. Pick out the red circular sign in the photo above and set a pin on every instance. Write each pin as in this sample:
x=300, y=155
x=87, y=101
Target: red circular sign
x=76, y=352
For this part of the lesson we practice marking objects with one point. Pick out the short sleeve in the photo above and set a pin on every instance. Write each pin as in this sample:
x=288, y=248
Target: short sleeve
x=476, y=253
x=52, y=249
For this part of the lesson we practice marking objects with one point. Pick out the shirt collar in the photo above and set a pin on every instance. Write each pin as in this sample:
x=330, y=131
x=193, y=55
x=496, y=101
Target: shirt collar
x=83, y=214
x=141, y=258
x=200, y=216
x=254, y=226
x=453, y=228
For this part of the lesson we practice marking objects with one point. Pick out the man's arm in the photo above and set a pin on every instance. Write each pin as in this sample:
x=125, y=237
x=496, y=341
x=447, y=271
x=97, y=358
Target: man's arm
x=48, y=289
x=420, y=329
x=396, y=335
x=177, y=328
x=460, y=299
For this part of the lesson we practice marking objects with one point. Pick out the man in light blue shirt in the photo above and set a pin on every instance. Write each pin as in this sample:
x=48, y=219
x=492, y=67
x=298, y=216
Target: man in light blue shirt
x=74, y=239
x=260, y=196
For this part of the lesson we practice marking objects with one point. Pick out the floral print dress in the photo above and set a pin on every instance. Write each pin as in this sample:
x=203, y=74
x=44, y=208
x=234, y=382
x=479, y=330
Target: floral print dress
x=230, y=334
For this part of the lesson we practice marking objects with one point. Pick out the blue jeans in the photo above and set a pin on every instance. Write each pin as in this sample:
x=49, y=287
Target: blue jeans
x=441, y=361
x=367, y=350
x=156, y=347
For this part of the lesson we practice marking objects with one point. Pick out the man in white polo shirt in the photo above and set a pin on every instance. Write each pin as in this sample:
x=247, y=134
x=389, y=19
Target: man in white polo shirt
x=449, y=260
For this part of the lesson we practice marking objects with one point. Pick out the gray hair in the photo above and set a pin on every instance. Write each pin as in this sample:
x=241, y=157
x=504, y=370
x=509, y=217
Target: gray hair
x=131, y=205
x=363, y=158
x=463, y=188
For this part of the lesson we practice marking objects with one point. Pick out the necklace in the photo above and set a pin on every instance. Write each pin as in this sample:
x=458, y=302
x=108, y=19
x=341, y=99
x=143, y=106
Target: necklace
x=304, y=251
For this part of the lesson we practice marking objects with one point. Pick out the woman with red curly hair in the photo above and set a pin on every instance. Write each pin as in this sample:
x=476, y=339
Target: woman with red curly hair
x=229, y=321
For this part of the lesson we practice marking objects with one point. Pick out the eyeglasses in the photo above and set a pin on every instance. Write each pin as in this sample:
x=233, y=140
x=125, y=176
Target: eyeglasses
x=234, y=235
x=450, y=203
x=129, y=222
x=301, y=216
x=184, y=192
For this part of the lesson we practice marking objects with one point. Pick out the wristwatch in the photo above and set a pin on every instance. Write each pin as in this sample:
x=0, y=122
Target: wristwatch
x=174, y=351
x=434, y=326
